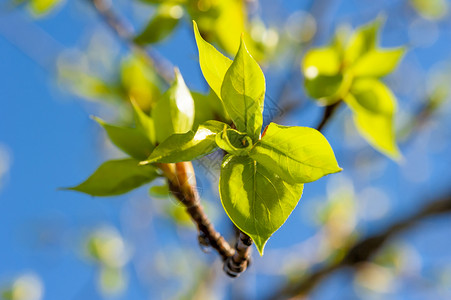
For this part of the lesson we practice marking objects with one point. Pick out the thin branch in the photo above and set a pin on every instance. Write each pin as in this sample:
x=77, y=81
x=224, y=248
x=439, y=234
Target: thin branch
x=327, y=115
x=239, y=262
x=362, y=250
x=182, y=183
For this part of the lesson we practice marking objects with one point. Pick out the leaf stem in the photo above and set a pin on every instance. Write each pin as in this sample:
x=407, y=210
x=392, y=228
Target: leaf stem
x=327, y=114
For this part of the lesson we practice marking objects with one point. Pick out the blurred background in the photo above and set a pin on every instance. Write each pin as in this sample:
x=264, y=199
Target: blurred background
x=61, y=62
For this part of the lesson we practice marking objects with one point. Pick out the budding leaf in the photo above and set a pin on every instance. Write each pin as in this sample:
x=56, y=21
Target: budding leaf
x=116, y=177
x=187, y=146
x=256, y=200
x=213, y=64
x=378, y=63
x=144, y=123
x=130, y=140
x=234, y=142
x=161, y=25
x=296, y=154
x=243, y=93
x=174, y=111
x=373, y=106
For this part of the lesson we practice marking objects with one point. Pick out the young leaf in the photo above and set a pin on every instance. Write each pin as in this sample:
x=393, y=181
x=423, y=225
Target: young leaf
x=373, y=106
x=323, y=61
x=234, y=142
x=144, y=122
x=257, y=201
x=174, y=112
x=117, y=177
x=363, y=41
x=187, y=146
x=324, y=87
x=130, y=140
x=213, y=64
x=243, y=93
x=161, y=25
x=378, y=63
x=296, y=154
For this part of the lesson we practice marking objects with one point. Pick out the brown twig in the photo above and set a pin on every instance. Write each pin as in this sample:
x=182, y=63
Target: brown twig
x=363, y=250
x=182, y=184
x=327, y=115
x=238, y=263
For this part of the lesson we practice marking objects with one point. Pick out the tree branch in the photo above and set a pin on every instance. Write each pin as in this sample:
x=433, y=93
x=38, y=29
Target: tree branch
x=327, y=115
x=362, y=250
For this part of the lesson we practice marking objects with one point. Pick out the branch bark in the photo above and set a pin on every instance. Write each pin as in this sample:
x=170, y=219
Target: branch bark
x=362, y=250
x=327, y=115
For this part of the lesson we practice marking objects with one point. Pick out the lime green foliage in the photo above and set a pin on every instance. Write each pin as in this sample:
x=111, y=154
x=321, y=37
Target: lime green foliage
x=187, y=146
x=257, y=186
x=213, y=64
x=431, y=9
x=234, y=142
x=117, y=177
x=256, y=200
x=42, y=7
x=296, y=154
x=243, y=93
x=349, y=71
x=174, y=112
x=162, y=24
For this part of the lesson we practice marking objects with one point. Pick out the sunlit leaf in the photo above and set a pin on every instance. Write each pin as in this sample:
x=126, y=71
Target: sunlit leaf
x=130, y=140
x=378, y=63
x=431, y=9
x=117, y=177
x=373, y=106
x=243, y=93
x=321, y=61
x=234, y=142
x=257, y=201
x=363, y=41
x=296, y=154
x=324, y=87
x=161, y=25
x=174, y=111
x=144, y=123
x=213, y=64
x=209, y=107
x=42, y=7
x=187, y=146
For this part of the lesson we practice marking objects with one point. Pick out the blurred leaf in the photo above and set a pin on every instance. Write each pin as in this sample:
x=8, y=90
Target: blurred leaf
x=159, y=191
x=234, y=142
x=42, y=7
x=140, y=82
x=161, y=25
x=130, y=140
x=378, y=63
x=243, y=93
x=321, y=61
x=116, y=177
x=257, y=201
x=296, y=154
x=431, y=9
x=324, y=87
x=373, y=106
x=174, y=112
x=187, y=146
x=112, y=280
x=213, y=64
x=363, y=41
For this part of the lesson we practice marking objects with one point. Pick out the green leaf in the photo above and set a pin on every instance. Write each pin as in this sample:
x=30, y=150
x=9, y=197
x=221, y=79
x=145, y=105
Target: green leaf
x=243, y=93
x=296, y=154
x=174, y=112
x=324, y=87
x=130, y=140
x=431, y=9
x=161, y=25
x=322, y=61
x=208, y=107
x=378, y=63
x=234, y=142
x=374, y=105
x=257, y=201
x=116, y=177
x=187, y=146
x=144, y=123
x=42, y=7
x=213, y=64
x=363, y=41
